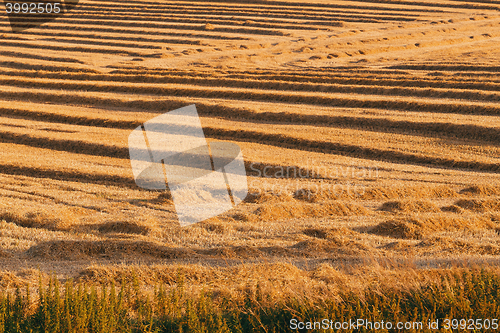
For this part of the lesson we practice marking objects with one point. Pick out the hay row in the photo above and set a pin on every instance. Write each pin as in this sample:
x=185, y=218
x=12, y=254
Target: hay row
x=290, y=210
x=456, y=68
x=279, y=140
x=337, y=75
x=433, y=4
x=65, y=118
x=486, y=190
x=370, y=5
x=439, y=245
x=195, y=27
x=72, y=146
x=102, y=150
x=480, y=205
x=38, y=57
x=46, y=67
x=91, y=38
x=64, y=175
x=454, y=89
x=287, y=82
x=416, y=192
x=99, y=42
x=283, y=141
x=355, y=101
x=410, y=206
x=418, y=228
x=302, y=21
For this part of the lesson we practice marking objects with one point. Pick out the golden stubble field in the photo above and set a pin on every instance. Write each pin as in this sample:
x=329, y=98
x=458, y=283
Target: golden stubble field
x=370, y=131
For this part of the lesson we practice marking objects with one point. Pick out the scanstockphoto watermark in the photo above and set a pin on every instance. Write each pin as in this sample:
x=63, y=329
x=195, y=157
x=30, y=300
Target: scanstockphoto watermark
x=312, y=179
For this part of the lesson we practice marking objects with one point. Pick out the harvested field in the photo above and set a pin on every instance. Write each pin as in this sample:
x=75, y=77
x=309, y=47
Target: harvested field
x=370, y=132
